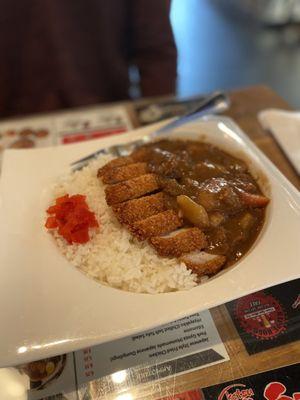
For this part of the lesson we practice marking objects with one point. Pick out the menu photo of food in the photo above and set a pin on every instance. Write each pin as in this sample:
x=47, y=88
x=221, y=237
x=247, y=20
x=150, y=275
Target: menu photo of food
x=81, y=125
x=50, y=376
x=41, y=373
x=27, y=133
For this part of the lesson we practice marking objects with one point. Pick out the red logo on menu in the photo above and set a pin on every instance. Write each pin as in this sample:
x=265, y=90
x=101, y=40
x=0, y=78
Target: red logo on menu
x=276, y=391
x=236, y=391
x=273, y=391
x=261, y=316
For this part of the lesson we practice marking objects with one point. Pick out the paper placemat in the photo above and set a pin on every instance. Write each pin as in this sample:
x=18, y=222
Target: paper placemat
x=187, y=344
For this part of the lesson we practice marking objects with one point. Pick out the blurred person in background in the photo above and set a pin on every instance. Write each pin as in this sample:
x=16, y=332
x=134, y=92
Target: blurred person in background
x=63, y=53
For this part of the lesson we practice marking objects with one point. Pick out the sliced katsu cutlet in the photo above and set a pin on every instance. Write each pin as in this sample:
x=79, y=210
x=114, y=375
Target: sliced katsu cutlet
x=179, y=242
x=124, y=172
x=203, y=263
x=158, y=224
x=131, y=189
x=144, y=207
x=139, y=155
x=116, y=162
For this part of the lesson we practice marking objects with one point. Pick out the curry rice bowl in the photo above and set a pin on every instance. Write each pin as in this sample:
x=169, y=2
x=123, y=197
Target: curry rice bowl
x=112, y=256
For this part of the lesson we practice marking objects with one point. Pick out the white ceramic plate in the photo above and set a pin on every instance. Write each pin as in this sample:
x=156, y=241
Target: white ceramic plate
x=285, y=127
x=48, y=307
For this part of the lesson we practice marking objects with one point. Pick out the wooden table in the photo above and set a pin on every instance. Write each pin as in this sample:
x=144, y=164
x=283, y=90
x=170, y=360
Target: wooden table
x=246, y=103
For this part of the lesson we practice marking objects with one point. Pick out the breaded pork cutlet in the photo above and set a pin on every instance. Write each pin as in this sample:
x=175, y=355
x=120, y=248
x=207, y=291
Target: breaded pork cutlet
x=158, y=224
x=141, y=154
x=116, y=162
x=137, y=209
x=123, y=173
x=179, y=242
x=203, y=263
x=131, y=189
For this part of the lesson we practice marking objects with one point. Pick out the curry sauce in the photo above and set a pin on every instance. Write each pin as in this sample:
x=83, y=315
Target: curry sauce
x=163, y=189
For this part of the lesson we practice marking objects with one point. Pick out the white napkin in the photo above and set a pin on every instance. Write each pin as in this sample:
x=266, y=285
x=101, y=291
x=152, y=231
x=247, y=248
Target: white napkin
x=285, y=127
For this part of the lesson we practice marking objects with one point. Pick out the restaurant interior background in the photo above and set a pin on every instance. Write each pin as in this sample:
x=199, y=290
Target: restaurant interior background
x=232, y=43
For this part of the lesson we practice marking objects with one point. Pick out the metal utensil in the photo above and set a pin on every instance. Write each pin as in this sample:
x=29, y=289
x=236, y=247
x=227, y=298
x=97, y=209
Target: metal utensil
x=216, y=103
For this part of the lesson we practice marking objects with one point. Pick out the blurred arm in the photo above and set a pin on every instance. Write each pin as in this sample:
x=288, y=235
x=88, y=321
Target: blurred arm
x=153, y=46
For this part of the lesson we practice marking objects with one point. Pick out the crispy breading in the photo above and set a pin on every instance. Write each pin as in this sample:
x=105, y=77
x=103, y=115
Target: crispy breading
x=179, y=242
x=125, y=172
x=140, y=154
x=116, y=162
x=131, y=189
x=202, y=263
x=158, y=224
x=144, y=207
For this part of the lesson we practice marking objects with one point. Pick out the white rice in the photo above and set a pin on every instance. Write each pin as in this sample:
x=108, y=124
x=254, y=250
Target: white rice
x=112, y=256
